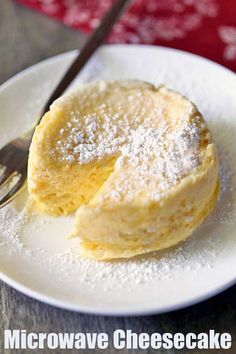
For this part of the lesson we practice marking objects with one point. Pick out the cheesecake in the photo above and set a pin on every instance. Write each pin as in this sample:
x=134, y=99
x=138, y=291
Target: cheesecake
x=136, y=163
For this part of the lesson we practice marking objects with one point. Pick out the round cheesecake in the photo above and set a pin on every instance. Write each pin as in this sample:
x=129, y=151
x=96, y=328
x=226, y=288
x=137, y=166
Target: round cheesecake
x=135, y=162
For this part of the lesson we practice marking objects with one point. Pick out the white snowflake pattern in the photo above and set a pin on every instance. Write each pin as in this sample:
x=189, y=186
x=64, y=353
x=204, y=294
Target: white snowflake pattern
x=176, y=19
x=146, y=22
x=49, y=6
x=228, y=36
x=83, y=13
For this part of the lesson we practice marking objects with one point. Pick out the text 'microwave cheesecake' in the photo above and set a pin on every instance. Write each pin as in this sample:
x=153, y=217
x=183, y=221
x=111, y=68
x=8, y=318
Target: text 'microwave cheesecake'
x=136, y=162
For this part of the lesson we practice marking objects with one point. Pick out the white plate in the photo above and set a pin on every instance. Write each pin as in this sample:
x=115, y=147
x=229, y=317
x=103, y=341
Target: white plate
x=38, y=260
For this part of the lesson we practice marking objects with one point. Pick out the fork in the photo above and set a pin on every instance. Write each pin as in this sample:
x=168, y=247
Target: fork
x=14, y=155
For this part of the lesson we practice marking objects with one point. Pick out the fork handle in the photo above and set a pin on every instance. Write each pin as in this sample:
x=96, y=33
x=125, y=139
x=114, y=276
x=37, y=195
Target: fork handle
x=95, y=40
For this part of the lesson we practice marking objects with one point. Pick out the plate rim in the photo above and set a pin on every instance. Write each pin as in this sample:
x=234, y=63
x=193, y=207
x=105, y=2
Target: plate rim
x=50, y=300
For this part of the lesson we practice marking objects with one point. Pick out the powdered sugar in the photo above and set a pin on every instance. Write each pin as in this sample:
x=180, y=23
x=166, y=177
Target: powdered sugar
x=11, y=224
x=144, y=143
x=156, y=158
x=84, y=145
x=143, y=270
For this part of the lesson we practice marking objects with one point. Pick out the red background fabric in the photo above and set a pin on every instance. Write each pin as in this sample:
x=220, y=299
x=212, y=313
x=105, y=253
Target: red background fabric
x=204, y=27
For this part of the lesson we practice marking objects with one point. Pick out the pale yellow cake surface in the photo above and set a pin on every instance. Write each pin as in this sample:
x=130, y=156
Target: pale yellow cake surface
x=136, y=162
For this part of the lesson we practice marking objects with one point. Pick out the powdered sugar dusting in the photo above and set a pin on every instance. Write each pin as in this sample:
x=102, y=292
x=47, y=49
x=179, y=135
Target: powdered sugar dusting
x=84, y=145
x=156, y=158
x=143, y=270
x=11, y=225
x=143, y=141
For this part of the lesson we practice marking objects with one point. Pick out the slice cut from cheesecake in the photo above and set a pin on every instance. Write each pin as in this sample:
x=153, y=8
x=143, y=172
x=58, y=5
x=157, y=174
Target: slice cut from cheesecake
x=136, y=162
